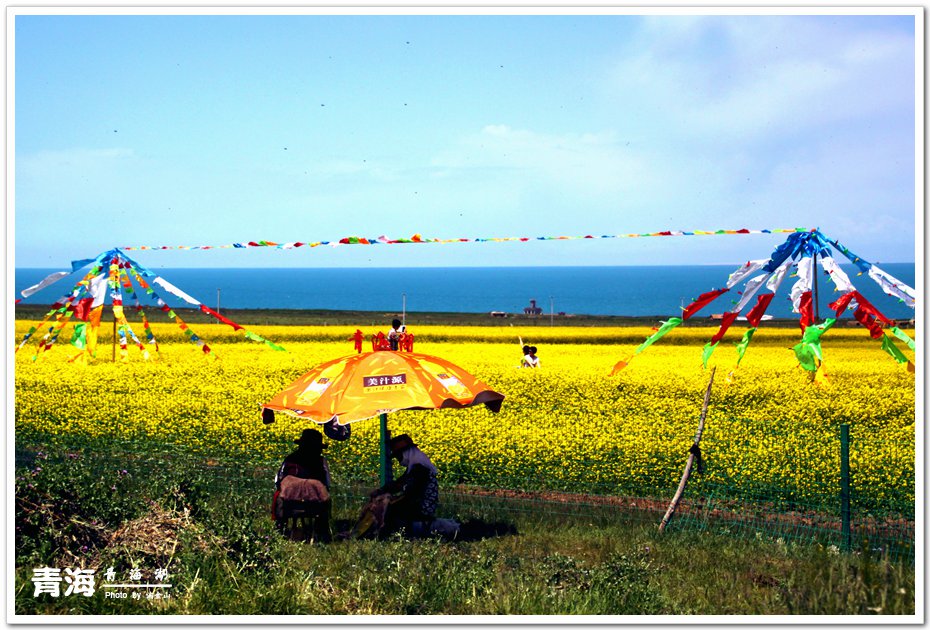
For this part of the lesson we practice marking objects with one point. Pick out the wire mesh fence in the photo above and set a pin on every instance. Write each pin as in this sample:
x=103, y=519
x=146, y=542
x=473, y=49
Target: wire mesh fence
x=794, y=500
x=830, y=505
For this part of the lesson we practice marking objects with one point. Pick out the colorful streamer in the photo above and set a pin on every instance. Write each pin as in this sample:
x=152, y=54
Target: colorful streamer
x=889, y=284
x=110, y=276
x=418, y=238
x=801, y=251
x=701, y=301
x=59, y=308
x=45, y=282
x=150, y=336
x=659, y=333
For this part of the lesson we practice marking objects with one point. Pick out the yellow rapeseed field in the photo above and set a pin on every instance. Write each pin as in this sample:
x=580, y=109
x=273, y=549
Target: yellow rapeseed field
x=569, y=424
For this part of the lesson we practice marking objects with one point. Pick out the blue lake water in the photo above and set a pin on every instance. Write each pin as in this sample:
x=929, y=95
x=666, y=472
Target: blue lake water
x=643, y=291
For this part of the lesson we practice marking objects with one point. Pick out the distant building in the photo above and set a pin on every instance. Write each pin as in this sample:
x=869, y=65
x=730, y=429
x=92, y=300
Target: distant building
x=532, y=309
x=498, y=314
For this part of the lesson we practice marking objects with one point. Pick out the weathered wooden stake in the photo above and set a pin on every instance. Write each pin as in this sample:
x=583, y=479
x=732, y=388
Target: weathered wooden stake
x=684, y=477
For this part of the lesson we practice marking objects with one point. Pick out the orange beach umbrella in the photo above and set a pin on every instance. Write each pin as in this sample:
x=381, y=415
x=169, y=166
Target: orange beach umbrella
x=370, y=384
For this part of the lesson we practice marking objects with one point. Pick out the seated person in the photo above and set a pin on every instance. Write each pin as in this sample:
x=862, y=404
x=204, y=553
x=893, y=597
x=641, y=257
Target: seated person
x=303, y=482
x=409, y=501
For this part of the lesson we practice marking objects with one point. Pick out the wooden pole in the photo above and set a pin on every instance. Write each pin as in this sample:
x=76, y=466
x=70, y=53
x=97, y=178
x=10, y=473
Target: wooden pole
x=114, y=338
x=687, y=473
x=814, y=297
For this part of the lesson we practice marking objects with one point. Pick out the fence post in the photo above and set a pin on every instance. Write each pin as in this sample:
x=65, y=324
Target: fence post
x=844, y=487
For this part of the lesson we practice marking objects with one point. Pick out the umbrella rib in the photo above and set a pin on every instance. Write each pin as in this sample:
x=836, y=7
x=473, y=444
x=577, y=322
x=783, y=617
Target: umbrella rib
x=414, y=362
x=344, y=379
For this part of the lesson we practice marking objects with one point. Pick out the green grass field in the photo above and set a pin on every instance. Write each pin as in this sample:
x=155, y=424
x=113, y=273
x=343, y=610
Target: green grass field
x=224, y=557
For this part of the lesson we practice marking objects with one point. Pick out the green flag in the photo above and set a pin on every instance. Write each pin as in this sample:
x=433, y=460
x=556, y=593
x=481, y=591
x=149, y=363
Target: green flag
x=663, y=330
x=744, y=343
x=254, y=337
x=889, y=347
x=708, y=350
x=79, y=338
x=900, y=334
x=812, y=335
x=806, y=356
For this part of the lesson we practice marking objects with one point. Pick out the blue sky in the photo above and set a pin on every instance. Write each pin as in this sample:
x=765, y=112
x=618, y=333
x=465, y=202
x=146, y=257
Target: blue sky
x=207, y=130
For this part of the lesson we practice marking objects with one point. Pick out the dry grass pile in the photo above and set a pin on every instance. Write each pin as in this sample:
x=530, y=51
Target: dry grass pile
x=155, y=536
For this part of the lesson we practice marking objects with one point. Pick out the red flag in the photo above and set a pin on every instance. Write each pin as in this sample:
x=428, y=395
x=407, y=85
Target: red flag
x=866, y=306
x=755, y=315
x=82, y=308
x=209, y=311
x=869, y=321
x=842, y=302
x=806, y=308
x=703, y=300
x=868, y=316
x=728, y=318
x=865, y=313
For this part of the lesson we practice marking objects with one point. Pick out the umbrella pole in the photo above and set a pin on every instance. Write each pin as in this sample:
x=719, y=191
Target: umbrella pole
x=386, y=476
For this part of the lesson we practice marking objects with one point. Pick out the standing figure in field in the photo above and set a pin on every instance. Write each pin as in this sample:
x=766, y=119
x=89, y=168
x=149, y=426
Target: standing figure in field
x=525, y=359
x=302, y=486
x=394, y=334
x=358, y=337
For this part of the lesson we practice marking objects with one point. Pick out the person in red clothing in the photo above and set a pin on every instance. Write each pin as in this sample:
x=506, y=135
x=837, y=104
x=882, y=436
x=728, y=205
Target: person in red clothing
x=357, y=337
x=303, y=481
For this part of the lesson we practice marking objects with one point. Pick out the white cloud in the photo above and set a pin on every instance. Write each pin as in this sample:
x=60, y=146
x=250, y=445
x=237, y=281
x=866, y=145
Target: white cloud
x=588, y=164
x=739, y=78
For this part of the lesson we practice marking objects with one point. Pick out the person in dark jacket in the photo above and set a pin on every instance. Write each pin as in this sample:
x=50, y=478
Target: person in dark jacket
x=307, y=462
x=415, y=493
x=303, y=480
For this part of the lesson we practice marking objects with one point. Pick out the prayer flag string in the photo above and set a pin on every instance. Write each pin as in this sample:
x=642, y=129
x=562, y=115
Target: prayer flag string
x=418, y=238
x=110, y=277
